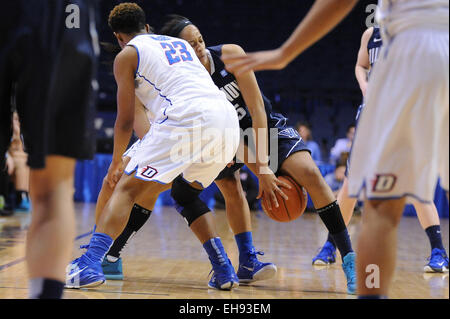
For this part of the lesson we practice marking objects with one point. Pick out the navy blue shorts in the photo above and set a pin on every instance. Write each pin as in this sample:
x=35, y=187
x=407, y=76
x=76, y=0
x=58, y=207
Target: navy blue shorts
x=289, y=142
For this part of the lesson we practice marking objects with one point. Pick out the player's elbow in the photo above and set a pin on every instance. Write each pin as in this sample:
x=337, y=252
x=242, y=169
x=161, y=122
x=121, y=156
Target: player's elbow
x=124, y=124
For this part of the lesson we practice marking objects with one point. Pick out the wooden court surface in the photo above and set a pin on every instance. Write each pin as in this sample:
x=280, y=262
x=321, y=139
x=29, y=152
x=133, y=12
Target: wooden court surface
x=166, y=261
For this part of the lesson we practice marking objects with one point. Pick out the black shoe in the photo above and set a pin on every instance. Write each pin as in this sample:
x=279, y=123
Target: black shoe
x=6, y=212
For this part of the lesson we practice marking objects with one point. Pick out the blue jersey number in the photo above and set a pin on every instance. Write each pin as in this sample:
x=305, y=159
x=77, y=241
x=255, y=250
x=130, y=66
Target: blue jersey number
x=176, y=51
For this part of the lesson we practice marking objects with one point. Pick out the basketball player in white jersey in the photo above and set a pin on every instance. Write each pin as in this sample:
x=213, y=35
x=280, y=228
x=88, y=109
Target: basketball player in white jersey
x=409, y=89
x=368, y=54
x=407, y=106
x=194, y=134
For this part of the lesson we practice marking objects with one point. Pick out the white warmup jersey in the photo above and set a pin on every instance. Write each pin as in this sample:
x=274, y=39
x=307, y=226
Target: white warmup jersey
x=401, y=145
x=194, y=129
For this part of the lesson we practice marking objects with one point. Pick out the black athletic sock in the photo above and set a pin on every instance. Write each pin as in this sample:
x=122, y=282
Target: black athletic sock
x=332, y=218
x=435, y=237
x=20, y=196
x=138, y=217
x=331, y=240
x=43, y=288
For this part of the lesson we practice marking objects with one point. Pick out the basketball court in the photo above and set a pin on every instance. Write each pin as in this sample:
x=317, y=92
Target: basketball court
x=165, y=260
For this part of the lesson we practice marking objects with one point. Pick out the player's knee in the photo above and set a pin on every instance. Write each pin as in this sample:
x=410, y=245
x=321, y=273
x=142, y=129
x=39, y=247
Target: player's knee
x=310, y=176
x=388, y=212
x=106, y=185
x=187, y=200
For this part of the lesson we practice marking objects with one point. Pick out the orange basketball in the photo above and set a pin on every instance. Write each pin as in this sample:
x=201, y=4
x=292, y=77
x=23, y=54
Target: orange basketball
x=291, y=209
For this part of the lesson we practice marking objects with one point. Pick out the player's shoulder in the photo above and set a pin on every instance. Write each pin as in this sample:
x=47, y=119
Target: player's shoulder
x=128, y=56
x=128, y=52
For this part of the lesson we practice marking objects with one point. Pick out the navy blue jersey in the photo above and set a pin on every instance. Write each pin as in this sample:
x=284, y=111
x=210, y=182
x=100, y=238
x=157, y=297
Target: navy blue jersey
x=228, y=84
x=374, y=46
x=288, y=139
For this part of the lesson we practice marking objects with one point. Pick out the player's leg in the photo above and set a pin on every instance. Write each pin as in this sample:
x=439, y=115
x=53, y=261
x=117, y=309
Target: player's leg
x=21, y=181
x=52, y=230
x=377, y=246
x=327, y=254
x=5, y=208
x=238, y=215
x=86, y=271
x=429, y=220
x=140, y=213
x=201, y=221
x=301, y=167
x=236, y=205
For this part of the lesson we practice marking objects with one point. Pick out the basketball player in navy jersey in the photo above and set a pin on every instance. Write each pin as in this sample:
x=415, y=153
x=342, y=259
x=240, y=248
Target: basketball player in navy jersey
x=371, y=43
x=50, y=71
x=294, y=158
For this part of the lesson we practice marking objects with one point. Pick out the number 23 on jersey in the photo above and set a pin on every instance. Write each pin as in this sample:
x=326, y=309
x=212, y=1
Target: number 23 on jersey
x=176, y=51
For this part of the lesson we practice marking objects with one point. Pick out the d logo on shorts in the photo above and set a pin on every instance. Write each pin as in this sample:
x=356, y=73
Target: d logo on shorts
x=149, y=172
x=384, y=183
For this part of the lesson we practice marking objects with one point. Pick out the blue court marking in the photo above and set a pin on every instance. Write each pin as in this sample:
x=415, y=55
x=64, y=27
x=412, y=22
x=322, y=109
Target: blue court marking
x=22, y=259
x=15, y=262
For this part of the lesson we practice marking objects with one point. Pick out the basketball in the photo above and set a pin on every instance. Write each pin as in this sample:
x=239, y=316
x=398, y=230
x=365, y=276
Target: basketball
x=291, y=209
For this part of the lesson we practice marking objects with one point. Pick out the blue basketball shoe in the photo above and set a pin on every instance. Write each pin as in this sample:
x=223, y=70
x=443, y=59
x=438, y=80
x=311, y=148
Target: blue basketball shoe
x=223, y=277
x=438, y=261
x=24, y=206
x=326, y=256
x=348, y=265
x=252, y=269
x=83, y=273
x=112, y=270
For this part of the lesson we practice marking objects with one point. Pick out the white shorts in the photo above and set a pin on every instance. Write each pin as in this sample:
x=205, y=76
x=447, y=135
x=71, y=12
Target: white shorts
x=198, y=148
x=402, y=139
x=132, y=149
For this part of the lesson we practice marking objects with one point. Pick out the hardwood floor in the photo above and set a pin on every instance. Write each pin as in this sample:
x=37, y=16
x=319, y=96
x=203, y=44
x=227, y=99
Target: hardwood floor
x=166, y=261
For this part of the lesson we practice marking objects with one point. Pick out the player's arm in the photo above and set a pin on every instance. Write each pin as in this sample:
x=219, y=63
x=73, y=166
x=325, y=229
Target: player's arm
x=125, y=65
x=362, y=63
x=321, y=19
x=251, y=93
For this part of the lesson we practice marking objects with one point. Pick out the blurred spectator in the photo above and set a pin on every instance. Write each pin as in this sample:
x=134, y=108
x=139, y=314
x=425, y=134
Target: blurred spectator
x=18, y=168
x=342, y=145
x=336, y=178
x=304, y=129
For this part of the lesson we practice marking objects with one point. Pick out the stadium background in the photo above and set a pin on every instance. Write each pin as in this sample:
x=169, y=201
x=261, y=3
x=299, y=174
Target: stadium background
x=318, y=87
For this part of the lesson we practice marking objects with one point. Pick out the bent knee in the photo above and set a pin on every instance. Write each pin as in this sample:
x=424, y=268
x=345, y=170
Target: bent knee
x=231, y=187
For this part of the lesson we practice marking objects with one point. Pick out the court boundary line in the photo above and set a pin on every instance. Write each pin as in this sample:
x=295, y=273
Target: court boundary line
x=21, y=259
